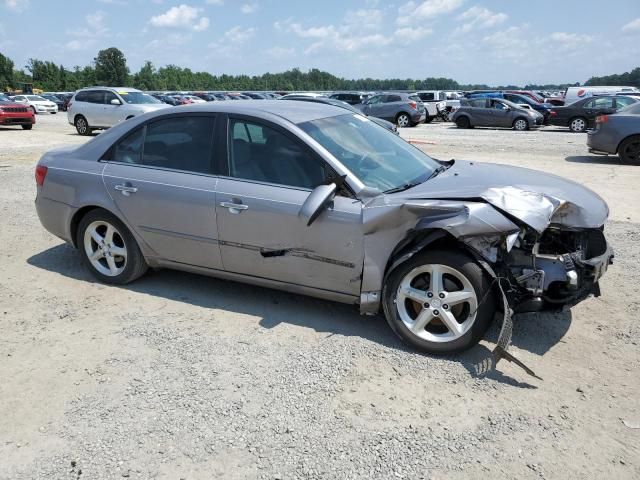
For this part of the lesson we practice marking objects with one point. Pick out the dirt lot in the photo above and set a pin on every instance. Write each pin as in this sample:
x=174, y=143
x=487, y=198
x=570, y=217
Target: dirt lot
x=182, y=376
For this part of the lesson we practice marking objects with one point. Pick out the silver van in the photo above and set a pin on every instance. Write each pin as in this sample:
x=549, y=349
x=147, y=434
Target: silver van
x=97, y=108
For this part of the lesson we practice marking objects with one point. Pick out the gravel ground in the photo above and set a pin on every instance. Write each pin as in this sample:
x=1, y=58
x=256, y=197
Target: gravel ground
x=179, y=376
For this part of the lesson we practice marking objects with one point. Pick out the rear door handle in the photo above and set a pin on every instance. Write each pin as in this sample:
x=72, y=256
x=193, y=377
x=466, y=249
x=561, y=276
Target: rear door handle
x=126, y=189
x=234, y=207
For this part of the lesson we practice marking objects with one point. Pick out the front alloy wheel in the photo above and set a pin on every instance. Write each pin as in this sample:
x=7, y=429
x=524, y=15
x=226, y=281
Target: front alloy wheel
x=520, y=124
x=435, y=302
x=403, y=120
x=578, y=125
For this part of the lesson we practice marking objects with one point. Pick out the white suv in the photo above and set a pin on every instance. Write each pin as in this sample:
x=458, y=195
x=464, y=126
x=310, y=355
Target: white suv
x=98, y=108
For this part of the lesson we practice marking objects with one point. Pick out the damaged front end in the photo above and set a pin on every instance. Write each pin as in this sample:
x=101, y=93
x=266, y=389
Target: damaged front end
x=553, y=270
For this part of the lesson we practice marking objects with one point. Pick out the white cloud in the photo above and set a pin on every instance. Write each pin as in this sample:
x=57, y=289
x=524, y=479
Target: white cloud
x=478, y=17
x=239, y=35
x=16, y=5
x=411, y=34
x=363, y=18
x=248, y=8
x=569, y=41
x=280, y=52
x=173, y=40
x=511, y=43
x=632, y=26
x=413, y=12
x=113, y=2
x=95, y=28
x=216, y=3
x=182, y=16
x=75, y=45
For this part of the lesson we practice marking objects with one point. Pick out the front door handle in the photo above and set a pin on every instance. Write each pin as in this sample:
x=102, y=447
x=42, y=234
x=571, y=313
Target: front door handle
x=234, y=207
x=126, y=189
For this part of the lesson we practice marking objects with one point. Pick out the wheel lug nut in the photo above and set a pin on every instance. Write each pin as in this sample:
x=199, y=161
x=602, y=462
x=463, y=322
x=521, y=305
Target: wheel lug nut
x=436, y=313
x=429, y=294
x=445, y=306
x=441, y=295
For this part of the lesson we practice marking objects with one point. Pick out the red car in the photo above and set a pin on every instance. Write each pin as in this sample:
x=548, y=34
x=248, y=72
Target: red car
x=12, y=113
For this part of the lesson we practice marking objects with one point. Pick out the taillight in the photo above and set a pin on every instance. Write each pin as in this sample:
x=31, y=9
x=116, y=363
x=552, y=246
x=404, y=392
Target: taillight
x=413, y=105
x=41, y=173
x=602, y=118
x=69, y=105
x=553, y=113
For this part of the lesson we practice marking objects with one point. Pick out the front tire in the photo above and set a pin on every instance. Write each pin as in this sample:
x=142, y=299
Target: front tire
x=403, y=120
x=82, y=126
x=108, y=249
x=439, y=301
x=520, y=124
x=629, y=151
x=429, y=119
x=27, y=127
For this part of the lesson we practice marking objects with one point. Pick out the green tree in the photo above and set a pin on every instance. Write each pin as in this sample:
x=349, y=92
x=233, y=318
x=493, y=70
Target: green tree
x=111, y=68
x=6, y=73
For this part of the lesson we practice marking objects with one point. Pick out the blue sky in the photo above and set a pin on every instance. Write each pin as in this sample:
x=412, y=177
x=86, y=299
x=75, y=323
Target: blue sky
x=472, y=41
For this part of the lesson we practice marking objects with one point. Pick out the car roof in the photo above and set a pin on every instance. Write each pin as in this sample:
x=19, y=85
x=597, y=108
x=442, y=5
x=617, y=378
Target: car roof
x=113, y=89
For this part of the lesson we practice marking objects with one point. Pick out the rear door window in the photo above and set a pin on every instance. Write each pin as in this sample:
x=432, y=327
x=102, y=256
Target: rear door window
x=624, y=101
x=180, y=143
x=95, y=96
x=603, y=102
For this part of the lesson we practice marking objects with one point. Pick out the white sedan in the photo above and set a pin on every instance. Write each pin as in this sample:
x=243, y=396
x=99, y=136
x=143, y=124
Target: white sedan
x=37, y=103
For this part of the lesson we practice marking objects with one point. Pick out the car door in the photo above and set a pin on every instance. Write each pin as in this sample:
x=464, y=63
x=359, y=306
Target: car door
x=503, y=115
x=160, y=177
x=598, y=106
x=92, y=108
x=375, y=106
x=110, y=113
x=482, y=115
x=270, y=175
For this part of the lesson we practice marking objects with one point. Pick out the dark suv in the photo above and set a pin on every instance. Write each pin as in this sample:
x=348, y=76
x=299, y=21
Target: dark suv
x=404, y=109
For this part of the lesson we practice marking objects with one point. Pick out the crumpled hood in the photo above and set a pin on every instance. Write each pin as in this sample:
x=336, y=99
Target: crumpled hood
x=535, y=198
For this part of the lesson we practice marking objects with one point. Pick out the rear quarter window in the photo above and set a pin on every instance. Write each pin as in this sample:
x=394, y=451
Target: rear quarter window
x=81, y=97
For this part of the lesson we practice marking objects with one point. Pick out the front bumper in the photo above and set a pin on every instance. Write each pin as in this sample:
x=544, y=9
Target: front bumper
x=17, y=119
x=45, y=109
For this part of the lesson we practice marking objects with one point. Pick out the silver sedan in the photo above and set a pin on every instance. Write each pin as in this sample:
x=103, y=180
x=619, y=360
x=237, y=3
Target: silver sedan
x=311, y=199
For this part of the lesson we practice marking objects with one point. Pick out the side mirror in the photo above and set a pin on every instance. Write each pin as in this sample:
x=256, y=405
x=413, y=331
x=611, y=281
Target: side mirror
x=115, y=101
x=507, y=108
x=316, y=202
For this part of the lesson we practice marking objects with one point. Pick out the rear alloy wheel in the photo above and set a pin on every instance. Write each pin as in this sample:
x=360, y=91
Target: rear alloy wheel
x=578, y=125
x=403, y=120
x=109, y=249
x=433, y=302
x=82, y=126
x=463, y=122
x=629, y=151
x=520, y=124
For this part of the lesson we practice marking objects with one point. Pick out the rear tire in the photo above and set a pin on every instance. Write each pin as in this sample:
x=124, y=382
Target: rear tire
x=629, y=151
x=34, y=110
x=27, y=127
x=108, y=248
x=434, y=301
x=463, y=122
x=578, y=124
x=429, y=119
x=82, y=126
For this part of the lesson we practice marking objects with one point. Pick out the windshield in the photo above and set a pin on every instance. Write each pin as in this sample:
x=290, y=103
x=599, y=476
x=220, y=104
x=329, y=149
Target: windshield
x=379, y=158
x=137, y=97
x=36, y=98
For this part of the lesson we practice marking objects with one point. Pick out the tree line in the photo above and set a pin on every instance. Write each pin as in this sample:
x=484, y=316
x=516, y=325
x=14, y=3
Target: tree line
x=110, y=68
